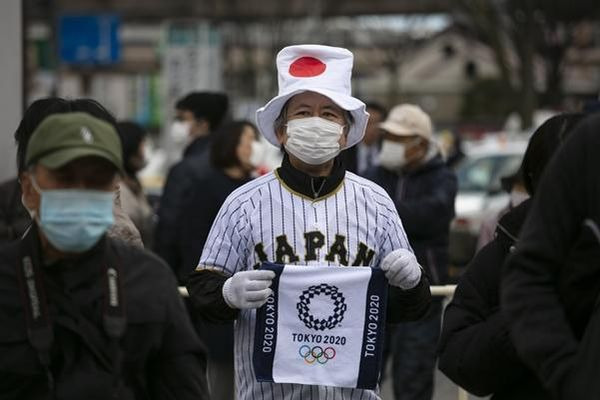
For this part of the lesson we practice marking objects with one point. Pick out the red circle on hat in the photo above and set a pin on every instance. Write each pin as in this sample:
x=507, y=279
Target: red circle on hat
x=306, y=67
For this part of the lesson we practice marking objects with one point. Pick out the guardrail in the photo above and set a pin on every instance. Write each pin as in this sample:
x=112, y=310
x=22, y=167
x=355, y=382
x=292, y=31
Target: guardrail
x=447, y=291
x=442, y=291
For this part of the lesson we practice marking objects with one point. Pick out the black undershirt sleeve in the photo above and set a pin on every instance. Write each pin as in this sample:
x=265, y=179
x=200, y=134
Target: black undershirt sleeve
x=205, y=288
x=408, y=305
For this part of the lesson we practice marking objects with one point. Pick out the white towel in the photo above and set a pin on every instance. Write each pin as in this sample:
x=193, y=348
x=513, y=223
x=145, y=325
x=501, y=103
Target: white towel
x=323, y=325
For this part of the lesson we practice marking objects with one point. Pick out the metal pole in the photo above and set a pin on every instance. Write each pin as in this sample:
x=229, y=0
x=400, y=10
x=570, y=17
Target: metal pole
x=11, y=82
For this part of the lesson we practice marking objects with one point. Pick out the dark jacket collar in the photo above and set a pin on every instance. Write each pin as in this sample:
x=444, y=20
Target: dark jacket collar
x=510, y=224
x=307, y=185
x=436, y=162
x=74, y=270
x=197, y=146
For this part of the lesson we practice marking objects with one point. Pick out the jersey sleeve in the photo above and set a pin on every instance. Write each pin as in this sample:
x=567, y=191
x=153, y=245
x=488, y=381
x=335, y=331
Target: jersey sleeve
x=226, y=248
x=393, y=236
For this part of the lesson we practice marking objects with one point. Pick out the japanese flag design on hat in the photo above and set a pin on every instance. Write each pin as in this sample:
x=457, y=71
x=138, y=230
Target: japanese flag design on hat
x=322, y=69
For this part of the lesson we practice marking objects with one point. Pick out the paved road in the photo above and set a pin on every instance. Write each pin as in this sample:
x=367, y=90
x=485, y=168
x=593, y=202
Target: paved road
x=444, y=389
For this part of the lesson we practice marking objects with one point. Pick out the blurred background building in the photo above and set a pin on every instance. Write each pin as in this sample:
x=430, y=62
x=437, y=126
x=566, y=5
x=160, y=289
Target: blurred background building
x=483, y=69
x=460, y=60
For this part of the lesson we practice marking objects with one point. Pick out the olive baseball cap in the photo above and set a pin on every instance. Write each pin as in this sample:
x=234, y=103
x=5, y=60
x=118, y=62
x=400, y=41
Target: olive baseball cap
x=62, y=138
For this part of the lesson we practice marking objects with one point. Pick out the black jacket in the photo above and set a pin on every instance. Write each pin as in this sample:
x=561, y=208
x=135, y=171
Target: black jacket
x=424, y=199
x=162, y=358
x=14, y=218
x=551, y=283
x=199, y=209
x=205, y=286
x=475, y=349
x=180, y=179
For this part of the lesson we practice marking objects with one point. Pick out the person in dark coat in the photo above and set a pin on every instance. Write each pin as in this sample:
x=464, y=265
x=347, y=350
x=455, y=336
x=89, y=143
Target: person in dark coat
x=198, y=115
x=475, y=349
x=550, y=285
x=83, y=315
x=14, y=219
x=230, y=167
x=423, y=188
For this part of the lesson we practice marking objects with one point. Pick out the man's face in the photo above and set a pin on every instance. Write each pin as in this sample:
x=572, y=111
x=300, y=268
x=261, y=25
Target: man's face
x=197, y=127
x=373, y=132
x=87, y=173
x=311, y=104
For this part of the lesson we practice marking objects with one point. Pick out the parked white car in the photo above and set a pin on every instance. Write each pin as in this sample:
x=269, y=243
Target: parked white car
x=480, y=194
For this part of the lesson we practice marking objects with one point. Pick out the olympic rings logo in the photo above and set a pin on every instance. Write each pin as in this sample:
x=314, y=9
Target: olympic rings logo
x=316, y=354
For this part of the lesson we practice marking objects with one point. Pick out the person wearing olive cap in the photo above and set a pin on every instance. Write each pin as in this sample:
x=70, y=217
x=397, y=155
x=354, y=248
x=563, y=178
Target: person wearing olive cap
x=83, y=315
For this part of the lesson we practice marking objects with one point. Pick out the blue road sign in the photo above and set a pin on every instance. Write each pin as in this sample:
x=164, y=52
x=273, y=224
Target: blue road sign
x=89, y=39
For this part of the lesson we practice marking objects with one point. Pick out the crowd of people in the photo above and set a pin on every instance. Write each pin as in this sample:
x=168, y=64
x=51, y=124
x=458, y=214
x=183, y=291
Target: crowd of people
x=89, y=270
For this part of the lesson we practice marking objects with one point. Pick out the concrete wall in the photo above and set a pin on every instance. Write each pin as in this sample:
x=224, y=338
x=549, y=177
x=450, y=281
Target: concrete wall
x=11, y=82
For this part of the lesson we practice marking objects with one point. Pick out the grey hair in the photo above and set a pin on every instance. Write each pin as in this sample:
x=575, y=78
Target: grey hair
x=281, y=119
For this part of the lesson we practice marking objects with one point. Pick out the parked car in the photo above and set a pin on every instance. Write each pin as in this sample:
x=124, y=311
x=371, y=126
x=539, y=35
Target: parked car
x=480, y=194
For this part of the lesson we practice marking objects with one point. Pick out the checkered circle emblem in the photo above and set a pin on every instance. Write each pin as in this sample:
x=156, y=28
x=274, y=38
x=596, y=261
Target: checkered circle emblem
x=339, y=307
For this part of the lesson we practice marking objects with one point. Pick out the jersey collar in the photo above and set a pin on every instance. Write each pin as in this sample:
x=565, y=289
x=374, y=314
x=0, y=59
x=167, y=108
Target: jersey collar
x=309, y=186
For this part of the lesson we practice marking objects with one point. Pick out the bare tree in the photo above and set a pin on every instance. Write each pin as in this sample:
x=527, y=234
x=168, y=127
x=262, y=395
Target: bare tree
x=521, y=31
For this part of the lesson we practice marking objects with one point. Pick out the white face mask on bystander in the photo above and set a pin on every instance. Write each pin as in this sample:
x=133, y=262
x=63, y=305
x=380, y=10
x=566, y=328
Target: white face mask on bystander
x=392, y=155
x=180, y=131
x=313, y=140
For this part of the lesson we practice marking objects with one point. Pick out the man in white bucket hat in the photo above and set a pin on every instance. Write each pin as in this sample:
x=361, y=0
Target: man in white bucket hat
x=423, y=187
x=313, y=118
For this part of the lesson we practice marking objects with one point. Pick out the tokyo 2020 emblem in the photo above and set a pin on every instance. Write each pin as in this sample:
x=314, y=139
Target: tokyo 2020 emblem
x=320, y=324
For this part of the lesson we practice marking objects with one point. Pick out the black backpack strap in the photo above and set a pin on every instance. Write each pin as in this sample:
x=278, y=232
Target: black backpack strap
x=114, y=318
x=34, y=300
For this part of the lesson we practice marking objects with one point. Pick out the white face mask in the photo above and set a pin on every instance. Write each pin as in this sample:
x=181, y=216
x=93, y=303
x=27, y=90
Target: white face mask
x=392, y=155
x=180, y=131
x=257, y=155
x=313, y=140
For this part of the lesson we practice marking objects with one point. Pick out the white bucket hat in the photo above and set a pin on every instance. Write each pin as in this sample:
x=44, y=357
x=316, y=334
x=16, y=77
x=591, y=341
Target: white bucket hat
x=322, y=69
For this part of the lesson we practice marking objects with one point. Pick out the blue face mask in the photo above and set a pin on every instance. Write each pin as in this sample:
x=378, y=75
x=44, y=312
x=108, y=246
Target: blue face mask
x=74, y=220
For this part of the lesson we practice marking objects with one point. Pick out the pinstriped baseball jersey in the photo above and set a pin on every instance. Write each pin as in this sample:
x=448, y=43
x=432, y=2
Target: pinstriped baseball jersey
x=264, y=220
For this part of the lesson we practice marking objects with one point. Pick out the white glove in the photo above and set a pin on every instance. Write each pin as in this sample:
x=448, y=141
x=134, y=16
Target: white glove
x=248, y=289
x=402, y=269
